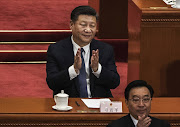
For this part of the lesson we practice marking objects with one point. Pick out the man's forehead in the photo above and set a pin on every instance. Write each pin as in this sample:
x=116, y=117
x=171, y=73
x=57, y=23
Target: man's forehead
x=139, y=91
x=80, y=17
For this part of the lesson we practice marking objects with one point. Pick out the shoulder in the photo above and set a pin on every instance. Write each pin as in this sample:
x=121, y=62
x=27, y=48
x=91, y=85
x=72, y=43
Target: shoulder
x=125, y=120
x=60, y=44
x=159, y=122
x=100, y=43
x=102, y=46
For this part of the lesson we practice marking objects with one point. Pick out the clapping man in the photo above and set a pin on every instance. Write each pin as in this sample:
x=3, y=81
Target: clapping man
x=80, y=65
x=138, y=97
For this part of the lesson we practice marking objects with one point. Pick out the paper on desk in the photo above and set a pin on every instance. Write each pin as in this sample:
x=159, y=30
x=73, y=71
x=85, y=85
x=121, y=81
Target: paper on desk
x=94, y=103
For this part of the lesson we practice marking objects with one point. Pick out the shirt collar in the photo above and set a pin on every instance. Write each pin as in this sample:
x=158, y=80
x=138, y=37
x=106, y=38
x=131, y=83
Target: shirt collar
x=135, y=121
x=76, y=46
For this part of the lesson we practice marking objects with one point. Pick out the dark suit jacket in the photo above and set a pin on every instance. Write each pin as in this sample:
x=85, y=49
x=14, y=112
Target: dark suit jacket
x=126, y=121
x=60, y=57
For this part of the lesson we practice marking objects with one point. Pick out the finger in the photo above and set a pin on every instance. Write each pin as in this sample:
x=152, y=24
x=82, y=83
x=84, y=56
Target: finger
x=141, y=117
x=95, y=54
x=77, y=59
x=95, y=58
x=148, y=124
x=79, y=52
x=147, y=120
x=92, y=61
x=92, y=58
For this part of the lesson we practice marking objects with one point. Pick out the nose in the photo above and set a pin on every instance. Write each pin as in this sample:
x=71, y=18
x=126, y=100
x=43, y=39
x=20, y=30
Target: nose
x=141, y=103
x=87, y=29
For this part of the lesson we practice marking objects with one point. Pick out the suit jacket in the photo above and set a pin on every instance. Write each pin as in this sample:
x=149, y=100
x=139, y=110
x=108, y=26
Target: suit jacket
x=126, y=121
x=60, y=57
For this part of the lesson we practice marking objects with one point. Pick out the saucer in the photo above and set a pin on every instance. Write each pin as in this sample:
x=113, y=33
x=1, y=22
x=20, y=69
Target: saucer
x=62, y=109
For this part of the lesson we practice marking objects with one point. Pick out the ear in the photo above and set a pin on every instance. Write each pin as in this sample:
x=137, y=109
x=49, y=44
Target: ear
x=71, y=24
x=126, y=101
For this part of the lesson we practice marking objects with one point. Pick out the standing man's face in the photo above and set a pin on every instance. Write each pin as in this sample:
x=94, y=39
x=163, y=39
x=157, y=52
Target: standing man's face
x=84, y=29
x=139, y=102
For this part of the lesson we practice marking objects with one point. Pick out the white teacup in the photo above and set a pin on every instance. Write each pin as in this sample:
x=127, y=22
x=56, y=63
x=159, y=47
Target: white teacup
x=61, y=100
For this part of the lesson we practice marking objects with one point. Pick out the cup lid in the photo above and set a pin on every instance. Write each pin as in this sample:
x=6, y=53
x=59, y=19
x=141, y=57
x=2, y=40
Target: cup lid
x=62, y=94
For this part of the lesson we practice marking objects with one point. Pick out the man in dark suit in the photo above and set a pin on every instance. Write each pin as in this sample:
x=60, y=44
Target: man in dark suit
x=81, y=65
x=138, y=96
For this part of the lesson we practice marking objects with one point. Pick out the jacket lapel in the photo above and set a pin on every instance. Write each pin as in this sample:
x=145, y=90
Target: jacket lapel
x=68, y=51
x=130, y=122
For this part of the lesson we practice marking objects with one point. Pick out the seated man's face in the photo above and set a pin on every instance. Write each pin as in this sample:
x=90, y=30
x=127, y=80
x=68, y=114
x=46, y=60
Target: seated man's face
x=84, y=29
x=139, y=102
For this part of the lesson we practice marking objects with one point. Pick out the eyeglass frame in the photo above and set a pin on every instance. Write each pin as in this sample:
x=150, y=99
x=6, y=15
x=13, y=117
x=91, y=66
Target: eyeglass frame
x=139, y=99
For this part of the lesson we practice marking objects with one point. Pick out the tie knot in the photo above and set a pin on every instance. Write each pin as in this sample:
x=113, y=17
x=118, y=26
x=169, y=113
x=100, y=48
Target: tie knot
x=82, y=50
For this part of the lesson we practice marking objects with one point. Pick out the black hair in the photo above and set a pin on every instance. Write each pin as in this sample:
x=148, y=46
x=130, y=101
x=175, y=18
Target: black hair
x=137, y=83
x=83, y=10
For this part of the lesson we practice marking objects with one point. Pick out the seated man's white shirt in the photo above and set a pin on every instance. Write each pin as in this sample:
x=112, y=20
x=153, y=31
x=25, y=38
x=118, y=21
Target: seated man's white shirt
x=135, y=121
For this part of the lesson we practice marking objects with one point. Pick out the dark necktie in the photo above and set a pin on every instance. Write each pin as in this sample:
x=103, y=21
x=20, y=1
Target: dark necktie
x=82, y=78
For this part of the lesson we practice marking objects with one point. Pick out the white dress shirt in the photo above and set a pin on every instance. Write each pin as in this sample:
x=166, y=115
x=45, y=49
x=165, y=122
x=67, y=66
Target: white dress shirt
x=86, y=55
x=135, y=121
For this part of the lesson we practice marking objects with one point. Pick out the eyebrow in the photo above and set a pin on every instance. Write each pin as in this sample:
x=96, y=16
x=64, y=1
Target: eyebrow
x=88, y=21
x=139, y=97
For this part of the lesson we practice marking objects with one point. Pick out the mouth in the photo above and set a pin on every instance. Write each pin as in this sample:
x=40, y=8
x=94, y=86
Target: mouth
x=87, y=36
x=141, y=111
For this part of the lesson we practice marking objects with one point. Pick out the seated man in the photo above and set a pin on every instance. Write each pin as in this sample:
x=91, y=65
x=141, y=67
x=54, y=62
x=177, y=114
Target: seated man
x=81, y=65
x=138, y=96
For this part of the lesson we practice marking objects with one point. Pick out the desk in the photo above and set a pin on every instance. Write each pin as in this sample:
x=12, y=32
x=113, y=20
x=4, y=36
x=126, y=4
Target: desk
x=38, y=112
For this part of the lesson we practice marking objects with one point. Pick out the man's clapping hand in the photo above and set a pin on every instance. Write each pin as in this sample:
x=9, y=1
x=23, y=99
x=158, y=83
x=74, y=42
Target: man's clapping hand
x=77, y=61
x=95, y=60
x=143, y=121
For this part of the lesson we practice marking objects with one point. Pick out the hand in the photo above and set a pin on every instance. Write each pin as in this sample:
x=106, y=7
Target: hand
x=77, y=61
x=95, y=60
x=143, y=121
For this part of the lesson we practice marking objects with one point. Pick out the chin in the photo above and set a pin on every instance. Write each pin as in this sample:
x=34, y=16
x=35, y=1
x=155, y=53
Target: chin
x=87, y=41
x=141, y=114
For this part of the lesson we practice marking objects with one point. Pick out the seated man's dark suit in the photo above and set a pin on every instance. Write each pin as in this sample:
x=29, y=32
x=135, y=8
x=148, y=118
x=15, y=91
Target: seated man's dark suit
x=60, y=57
x=126, y=121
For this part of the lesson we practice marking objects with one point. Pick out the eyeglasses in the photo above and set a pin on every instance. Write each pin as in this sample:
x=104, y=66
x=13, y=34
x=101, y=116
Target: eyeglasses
x=137, y=100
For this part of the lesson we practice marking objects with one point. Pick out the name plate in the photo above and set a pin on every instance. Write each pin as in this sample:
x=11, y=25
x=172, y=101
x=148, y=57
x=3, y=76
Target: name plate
x=111, y=107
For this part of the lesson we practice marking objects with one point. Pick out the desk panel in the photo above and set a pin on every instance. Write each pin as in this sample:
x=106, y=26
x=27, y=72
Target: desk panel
x=38, y=112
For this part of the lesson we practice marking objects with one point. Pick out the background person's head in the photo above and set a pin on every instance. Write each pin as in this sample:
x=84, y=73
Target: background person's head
x=83, y=10
x=83, y=24
x=138, y=96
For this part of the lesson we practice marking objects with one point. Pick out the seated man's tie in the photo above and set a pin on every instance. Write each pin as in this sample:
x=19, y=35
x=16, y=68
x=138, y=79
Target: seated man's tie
x=82, y=78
